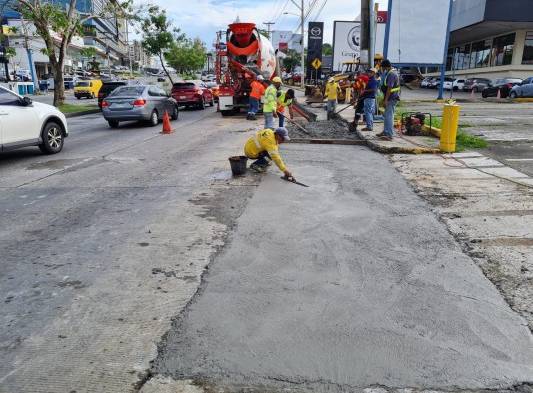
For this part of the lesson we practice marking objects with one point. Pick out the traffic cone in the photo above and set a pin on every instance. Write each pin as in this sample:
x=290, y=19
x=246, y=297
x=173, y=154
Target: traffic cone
x=499, y=95
x=167, y=128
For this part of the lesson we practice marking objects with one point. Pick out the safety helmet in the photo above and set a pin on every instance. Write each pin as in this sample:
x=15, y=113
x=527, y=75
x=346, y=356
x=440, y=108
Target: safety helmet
x=276, y=79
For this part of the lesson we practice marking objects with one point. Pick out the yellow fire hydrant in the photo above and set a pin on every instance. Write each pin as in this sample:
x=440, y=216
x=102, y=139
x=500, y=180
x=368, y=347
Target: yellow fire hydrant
x=450, y=123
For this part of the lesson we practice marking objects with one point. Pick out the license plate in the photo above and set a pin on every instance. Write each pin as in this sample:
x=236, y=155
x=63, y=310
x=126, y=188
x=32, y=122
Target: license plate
x=183, y=97
x=120, y=105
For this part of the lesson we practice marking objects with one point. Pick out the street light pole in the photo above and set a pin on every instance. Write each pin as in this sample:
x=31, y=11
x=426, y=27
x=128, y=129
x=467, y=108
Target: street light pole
x=268, y=24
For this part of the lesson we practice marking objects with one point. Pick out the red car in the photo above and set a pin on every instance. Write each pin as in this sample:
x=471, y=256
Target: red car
x=192, y=93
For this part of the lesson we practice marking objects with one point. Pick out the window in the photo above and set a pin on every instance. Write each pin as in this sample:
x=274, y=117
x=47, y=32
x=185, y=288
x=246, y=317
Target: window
x=528, y=49
x=480, y=56
x=502, y=50
x=8, y=98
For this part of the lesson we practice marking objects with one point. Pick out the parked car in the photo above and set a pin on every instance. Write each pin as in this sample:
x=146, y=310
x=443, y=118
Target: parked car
x=26, y=123
x=213, y=86
x=504, y=86
x=107, y=88
x=448, y=83
x=87, y=89
x=138, y=102
x=524, y=89
x=193, y=93
x=425, y=82
x=433, y=83
x=70, y=82
x=458, y=84
x=476, y=84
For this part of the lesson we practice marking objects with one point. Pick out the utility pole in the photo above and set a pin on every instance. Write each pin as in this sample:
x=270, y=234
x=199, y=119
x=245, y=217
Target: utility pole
x=128, y=46
x=303, y=41
x=268, y=24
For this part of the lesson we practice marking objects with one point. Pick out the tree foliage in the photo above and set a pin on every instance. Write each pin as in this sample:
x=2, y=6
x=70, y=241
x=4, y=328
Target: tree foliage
x=187, y=55
x=292, y=60
x=327, y=49
x=159, y=36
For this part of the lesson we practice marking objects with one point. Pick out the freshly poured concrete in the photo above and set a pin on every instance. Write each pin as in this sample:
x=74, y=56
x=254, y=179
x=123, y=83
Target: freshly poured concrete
x=350, y=283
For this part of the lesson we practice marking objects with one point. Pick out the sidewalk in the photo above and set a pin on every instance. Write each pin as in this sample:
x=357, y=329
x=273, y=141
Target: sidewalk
x=401, y=144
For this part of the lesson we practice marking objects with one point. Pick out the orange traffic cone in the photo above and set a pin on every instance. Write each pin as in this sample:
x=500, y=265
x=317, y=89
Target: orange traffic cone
x=499, y=95
x=167, y=128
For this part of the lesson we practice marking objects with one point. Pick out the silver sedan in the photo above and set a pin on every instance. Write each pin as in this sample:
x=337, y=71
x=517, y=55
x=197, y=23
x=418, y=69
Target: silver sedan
x=140, y=102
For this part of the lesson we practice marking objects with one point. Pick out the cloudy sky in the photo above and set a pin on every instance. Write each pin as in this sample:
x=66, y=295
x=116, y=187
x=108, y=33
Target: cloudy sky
x=202, y=18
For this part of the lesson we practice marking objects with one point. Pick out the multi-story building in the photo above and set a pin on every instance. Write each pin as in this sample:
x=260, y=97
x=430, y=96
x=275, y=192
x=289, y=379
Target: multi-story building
x=107, y=35
x=140, y=59
x=491, y=39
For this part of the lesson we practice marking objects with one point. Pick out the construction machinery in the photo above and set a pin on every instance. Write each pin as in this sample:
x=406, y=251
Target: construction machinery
x=241, y=55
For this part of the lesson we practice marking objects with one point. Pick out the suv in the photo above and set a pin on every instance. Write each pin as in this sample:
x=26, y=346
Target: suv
x=107, y=88
x=192, y=93
x=476, y=84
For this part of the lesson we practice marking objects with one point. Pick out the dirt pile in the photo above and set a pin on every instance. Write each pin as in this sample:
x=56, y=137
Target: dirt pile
x=333, y=129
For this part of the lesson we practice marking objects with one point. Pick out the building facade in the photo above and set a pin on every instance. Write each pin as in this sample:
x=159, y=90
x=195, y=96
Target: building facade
x=491, y=39
x=140, y=59
x=108, y=36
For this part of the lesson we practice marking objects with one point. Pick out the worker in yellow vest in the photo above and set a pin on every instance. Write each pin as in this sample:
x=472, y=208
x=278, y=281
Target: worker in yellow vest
x=285, y=99
x=391, y=89
x=271, y=102
x=264, y=146
x=332, y=91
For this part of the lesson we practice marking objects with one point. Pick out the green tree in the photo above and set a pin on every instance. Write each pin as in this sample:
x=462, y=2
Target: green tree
x=57, y=24
x=159, y=36
x=327, y=49
x=292, y=60
x=187, y=55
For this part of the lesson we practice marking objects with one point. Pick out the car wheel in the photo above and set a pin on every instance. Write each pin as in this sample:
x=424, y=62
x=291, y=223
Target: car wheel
x=484, y=94
x=113, y=123
x=175, y=113
x=154, y=118
x=78, y=97
x=53, y=139
x=513, y=95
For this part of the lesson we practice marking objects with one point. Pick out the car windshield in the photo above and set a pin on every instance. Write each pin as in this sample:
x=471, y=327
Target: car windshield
x=83, y=84
x=184, y=85
x=128, y=91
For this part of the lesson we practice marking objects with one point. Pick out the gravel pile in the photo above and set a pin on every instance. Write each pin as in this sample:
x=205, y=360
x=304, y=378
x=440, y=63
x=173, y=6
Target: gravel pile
x=332, y=129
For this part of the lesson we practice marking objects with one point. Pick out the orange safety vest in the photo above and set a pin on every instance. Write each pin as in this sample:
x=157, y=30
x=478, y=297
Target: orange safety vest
x=257, y=90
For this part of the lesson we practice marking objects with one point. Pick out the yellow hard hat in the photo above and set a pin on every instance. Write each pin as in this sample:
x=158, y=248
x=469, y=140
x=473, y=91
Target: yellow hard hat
x=276, y=79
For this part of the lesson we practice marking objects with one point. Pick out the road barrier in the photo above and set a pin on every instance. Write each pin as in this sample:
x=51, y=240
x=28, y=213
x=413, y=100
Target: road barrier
x=450, y=123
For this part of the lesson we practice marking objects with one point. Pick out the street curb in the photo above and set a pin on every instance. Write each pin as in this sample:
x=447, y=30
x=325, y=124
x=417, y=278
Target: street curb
x=78, y=114
x=310, y=116
x=394, y=149
x=328, y=141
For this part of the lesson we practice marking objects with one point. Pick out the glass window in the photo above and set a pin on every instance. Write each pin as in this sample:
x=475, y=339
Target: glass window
x=8, y=98
x=449, y=59
x=480, y=56
x=502, y=50
x=528, y=49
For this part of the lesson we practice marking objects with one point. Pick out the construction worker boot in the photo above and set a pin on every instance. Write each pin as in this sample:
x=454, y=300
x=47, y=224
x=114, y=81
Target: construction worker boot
x=258, y=168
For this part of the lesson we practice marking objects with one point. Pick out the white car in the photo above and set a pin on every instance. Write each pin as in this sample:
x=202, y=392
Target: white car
x=458, y=84
x=25, y=123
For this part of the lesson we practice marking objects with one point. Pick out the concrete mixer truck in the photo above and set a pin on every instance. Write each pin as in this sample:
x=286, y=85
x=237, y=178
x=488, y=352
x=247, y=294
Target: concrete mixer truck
x=241, y=54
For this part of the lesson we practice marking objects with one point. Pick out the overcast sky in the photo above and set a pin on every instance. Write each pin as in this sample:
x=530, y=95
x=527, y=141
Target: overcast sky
x=202, y=18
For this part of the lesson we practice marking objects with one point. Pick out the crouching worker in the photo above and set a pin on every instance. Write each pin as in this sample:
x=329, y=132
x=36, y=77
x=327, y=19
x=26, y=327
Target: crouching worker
x=264, y=146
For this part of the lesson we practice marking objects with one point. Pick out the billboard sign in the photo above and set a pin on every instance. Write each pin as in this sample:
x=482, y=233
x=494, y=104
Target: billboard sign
x=315, y=36
x=414, y=38
x=346, y=42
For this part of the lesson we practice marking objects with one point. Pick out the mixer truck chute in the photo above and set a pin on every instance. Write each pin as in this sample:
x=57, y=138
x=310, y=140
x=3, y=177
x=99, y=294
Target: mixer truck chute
x=241, y=54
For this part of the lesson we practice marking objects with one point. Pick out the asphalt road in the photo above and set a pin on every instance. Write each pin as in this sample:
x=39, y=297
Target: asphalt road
x=103, y=244
x=352, y=282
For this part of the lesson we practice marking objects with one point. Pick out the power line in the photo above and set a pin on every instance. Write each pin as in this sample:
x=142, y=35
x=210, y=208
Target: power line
x=320, y=10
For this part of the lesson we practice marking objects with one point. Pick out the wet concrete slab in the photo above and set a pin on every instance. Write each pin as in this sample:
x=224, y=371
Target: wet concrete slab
x=350, y=283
